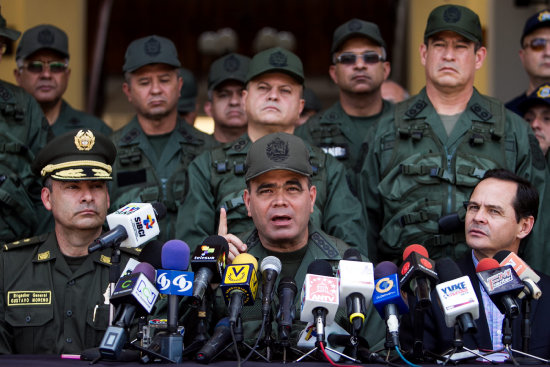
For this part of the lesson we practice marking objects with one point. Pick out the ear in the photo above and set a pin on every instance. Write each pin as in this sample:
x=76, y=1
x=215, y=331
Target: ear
x=180, y=84
x=332, y=73
x=312, y=196
x=208, y=108
x=525, y=226
x=126, y=89
x=17, y=75
x=522, y=56
x=46, y=197
x=423, y=51
x=246, y=199
x=387, y=69
x=245, y=97
x=480, y=57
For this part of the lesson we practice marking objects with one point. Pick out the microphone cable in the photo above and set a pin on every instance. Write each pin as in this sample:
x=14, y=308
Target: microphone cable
x=257, y=340
x=404, y=359
x=232, y=326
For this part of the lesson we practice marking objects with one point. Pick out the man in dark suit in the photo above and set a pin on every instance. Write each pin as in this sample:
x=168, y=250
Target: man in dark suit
x=499, y=215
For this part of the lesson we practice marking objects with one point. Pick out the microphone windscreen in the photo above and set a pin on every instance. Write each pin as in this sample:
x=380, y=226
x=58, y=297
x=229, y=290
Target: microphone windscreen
x=415, y=248
x=160, y=210
x=175, y=255
x=245, y=259
x=216, y=240
x=384, y=269
x=447, y=270
x=352, y=254
x=320, y=267
x=501, y=255
x=152, y=254
x=487, y=264
x=147, y=270
x=271, y=262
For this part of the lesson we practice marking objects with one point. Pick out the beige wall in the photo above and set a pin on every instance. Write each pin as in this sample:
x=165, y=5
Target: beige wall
x=418, y=15
x=68, y=15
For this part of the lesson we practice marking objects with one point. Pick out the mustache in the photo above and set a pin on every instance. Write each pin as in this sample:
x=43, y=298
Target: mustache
x=271, y=104
x=157, y=99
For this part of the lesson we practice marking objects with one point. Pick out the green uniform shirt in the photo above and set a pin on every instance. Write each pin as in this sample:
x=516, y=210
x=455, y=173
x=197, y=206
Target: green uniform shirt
x=415, y=173
x=341, y=135
x=70, y=119
x=45, y=308
x=23, y=132
x=139, y=176
x=216, y=180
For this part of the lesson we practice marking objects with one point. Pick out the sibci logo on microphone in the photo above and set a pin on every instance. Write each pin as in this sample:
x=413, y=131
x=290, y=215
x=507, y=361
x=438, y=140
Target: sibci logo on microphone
x=175, y=282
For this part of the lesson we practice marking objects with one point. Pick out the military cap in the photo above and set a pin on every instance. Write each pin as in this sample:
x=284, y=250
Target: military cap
x=12, y=34
x=44, y=36
x=541, y=96
x=76, y=156
x=276, y=59
x=356, y=28
x=277, y=151
x=229, y=67
x=311, y=101
x=536, y=21
x=150, y=50
x=188, y=92
x=454, y=18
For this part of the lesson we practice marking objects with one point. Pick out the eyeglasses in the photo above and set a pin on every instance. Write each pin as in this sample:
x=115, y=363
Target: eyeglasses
x=537, y=44
x=348, y=58
x=37, y=67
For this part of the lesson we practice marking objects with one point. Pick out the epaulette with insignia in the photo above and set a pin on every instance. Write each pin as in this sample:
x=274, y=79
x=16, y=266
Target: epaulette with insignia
x=324, y=245
x=132, y=251
x=130, y=136
x=25, y=242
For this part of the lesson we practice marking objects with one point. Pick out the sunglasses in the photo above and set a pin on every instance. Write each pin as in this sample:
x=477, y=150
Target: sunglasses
x=37, y=67
x=348, y=58
x=538, y=44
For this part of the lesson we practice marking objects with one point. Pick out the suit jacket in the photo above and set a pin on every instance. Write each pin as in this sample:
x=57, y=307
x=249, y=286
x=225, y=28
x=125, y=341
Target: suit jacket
x=439, y=338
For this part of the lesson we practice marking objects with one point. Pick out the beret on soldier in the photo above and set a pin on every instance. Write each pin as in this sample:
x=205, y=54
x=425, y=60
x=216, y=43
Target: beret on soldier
x=229, y=67
x=76, y=156
x=277, y=151
x=454, y=18
x=44, y=36
x=150, y=50
x=276, y=59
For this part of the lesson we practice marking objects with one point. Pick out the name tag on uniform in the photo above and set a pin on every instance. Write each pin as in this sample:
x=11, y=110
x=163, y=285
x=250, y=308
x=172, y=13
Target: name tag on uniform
x=29, y=298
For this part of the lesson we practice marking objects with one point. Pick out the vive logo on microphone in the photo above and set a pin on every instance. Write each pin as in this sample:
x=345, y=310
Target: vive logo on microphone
x=175, y=282
x=454, y=290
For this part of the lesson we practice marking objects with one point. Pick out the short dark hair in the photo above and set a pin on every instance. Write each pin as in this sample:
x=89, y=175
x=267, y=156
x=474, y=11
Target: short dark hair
x=48, y=183
x=526, y=202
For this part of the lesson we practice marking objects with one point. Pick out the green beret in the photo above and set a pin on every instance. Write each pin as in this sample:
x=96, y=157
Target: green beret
x=12, y=34
x=44, y=36
x=276, y=60
x=356, y=28
x=150, y=50
x=188, y=92
x=454, y=18
x=76, y=156
x=277, y=151
x=229, y=67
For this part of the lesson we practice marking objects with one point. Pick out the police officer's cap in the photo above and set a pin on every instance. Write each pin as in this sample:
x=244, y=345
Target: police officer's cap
x=76, y=156
x=229, y=67
x=44, y=36
x=536, y=21
x=277, y=151
x=356, y=28
x=150, y=50
x=12, y=34
x=188, y=92
x=454, y=18
x=541, y=96
x=275, y=60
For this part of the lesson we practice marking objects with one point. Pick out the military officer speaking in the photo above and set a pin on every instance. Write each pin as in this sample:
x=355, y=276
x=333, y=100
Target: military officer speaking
x=429, y=155
x=53, y=295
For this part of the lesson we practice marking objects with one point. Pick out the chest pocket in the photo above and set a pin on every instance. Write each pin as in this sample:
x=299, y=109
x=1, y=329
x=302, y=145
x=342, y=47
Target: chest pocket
x=29, y=325
x=97, y=320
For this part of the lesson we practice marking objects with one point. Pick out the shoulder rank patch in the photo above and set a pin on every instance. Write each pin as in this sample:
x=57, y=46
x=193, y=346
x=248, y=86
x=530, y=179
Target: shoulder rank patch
x=132, y=251
x=25, y=242
x=130, y=136
x=43, y=255
x=481, y=112
x=105, y=259
x=323, y=244
x=416, y=108
x=239, y=145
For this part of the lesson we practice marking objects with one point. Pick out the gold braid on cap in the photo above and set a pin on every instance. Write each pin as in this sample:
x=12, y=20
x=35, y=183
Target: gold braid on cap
x=72, y=164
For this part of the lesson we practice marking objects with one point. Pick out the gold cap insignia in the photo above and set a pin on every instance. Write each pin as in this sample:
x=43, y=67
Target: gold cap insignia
x=84, y=140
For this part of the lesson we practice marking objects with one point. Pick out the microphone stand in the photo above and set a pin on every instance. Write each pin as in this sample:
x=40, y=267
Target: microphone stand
x=458, y=346
x=268, y=341
x=202, y=334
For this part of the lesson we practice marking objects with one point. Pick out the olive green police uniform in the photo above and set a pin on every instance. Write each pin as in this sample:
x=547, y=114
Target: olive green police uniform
x=154, y=168
x=23, y=132
x=415, y=174
x=71, y=119
x=216, y=180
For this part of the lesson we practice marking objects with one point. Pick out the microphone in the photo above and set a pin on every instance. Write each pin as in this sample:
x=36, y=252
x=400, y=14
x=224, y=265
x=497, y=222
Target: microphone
x=152, y=253
x=457, y=296
x=285, y=316
x=320, y=297
x=502, y=284
x=356, y=280
x=220, y=338
x=131, y=226
x=240, y=284
x=525, y=273
x=418, y=275
x=133, y=294
x=208, y=263
x=270, y=267
x=387, y=297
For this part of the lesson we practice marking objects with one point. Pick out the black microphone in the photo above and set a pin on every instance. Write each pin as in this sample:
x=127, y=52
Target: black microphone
x=152, y=253
x=270, y=267
x=285, y=316
x=418, y=275
x=220, y=338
